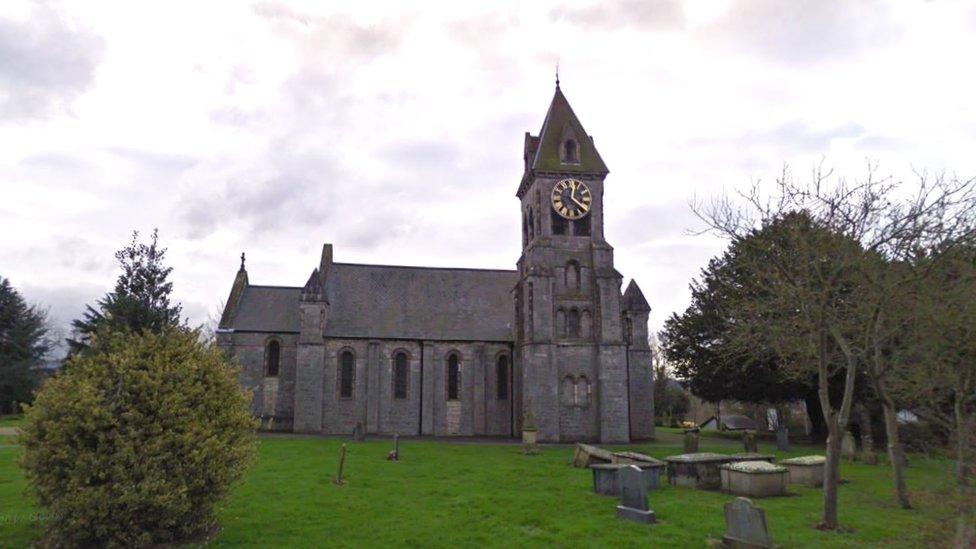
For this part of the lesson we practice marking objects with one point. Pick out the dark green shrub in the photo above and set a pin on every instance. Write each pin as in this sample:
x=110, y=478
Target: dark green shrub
x=133, y=445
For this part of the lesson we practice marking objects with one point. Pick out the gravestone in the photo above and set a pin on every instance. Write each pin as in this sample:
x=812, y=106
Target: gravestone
x=745, y=525
x=691, y=441
x=586, y=455
x=358, y=433
x=749, y=444
x=633, y=496
x=395, y=454
x=848, y=449
x=339, y=480
x=783, y=439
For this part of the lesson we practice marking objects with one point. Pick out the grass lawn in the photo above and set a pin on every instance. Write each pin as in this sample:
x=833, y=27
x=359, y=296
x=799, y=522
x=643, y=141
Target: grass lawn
x=11, y=421
x=465, y=494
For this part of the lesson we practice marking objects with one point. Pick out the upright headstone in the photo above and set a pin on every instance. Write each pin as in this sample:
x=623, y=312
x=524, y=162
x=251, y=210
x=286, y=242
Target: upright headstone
x=358, y=432
x=339, y=480
x=848, y=448
x=395, y=454
x=745, y=525
x=633, y=496
x=691, y=441
x=749, y=444
x=783, y=438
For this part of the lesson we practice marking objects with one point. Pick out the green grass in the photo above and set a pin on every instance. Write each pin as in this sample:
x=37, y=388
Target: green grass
x=11, y=421
x=463, y=494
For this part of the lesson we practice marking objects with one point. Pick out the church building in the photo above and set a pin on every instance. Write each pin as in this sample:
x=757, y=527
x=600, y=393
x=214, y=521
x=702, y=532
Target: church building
x=463, y=352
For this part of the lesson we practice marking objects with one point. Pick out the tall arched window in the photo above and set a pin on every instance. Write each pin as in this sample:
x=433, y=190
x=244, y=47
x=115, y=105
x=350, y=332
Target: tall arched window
x=531, y=225
x=453, y=376
x=347, y=373
x=501, y=377
x=560, y=323
x=586, y=323
x=573, y=324
x=400, y=371
x=569, y=151
x=629, y=331
x=272, y=356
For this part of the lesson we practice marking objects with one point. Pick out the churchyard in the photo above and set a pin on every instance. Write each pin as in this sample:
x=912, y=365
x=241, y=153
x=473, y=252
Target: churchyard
x=443, y=493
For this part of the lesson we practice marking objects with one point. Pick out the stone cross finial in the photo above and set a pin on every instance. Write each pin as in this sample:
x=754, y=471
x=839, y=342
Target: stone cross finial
x=242, y=261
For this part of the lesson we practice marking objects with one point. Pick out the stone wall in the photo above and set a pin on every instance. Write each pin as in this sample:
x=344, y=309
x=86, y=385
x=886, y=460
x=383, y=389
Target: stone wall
x=270, y=396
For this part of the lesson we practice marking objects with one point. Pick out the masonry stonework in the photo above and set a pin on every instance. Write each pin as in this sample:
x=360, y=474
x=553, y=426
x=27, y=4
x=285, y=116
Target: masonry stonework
x=568, y=342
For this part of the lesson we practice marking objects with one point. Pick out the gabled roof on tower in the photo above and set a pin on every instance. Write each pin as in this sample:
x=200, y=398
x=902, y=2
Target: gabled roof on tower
x=634, y=298
x=561, y=124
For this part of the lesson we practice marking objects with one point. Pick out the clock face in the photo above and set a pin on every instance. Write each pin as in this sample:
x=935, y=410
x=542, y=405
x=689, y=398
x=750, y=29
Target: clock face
x=571, y=198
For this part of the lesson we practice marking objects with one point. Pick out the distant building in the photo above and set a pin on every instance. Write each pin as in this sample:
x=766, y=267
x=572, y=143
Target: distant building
x=434, y=351
x=729, y=422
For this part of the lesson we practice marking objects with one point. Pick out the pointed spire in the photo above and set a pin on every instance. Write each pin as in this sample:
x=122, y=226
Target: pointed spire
x=561, y=126
x=634, y=298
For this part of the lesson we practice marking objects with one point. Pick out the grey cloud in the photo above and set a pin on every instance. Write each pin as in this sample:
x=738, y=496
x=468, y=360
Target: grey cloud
x=297, y=193
x=45, y=63
x=804, y=32
x=645, y=14
x=334, y=37
x=651, y=222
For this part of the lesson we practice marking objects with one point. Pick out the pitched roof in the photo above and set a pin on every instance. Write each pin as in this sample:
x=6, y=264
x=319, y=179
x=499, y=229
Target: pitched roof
x=267, y=309
x=393, y=302
x=634, y=298
x=561, y=122
x=420, y=302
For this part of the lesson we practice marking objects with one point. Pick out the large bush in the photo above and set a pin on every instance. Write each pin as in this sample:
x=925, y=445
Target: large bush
x=133, y=445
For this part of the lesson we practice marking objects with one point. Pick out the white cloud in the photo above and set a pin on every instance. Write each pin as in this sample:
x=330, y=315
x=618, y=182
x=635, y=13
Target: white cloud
x=395, y=131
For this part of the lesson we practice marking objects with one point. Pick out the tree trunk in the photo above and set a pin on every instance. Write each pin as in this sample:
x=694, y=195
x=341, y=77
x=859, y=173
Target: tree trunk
x=818, y=427
x=867, y=435
x=896, y=453
x=828, y=520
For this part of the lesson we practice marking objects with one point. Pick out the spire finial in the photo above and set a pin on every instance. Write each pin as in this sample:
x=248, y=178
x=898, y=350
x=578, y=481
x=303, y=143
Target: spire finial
x=557, y=75
x=242, y=261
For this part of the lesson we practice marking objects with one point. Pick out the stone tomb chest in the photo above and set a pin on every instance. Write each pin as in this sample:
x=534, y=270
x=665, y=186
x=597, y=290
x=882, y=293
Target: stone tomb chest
x=606, y=476
x=753, y=478
x=806, y=470
x=751, y=456
x=699, y=470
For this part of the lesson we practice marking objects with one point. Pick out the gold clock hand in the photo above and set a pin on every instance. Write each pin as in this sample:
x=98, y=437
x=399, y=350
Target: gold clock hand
x=578, y=203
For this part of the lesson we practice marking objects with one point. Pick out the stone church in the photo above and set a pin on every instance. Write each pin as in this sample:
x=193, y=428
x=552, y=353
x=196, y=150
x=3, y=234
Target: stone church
x=457, y=351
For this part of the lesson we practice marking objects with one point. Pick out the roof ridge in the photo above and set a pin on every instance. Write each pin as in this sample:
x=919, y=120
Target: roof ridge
x=421, y=267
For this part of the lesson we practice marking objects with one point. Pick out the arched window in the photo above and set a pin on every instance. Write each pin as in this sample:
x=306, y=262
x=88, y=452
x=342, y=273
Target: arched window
x=453, y=376
x=582, y=227
x=559, y=224
x=573, y=324
x=586, y=323
x=272, y=358
x=531, y=225
x=583, y=392
x=572, y=278
x=501, y=377
x=347, y=373
x=569, y=151
x=629, y=331
x=560, y=323
x=400, y=372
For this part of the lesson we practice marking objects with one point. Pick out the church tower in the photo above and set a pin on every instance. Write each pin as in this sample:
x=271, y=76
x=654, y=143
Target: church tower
x=569, y=337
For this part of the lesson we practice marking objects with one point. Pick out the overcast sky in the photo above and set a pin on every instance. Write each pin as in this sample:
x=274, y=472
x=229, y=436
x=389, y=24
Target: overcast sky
x=394, y=130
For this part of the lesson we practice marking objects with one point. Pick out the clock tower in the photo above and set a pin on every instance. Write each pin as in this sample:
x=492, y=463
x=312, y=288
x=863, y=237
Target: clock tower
x=574, y=340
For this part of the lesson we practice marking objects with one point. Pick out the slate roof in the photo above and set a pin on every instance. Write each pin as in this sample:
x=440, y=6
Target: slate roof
x=384, y=301
x=634, y=298
x=560, y=120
